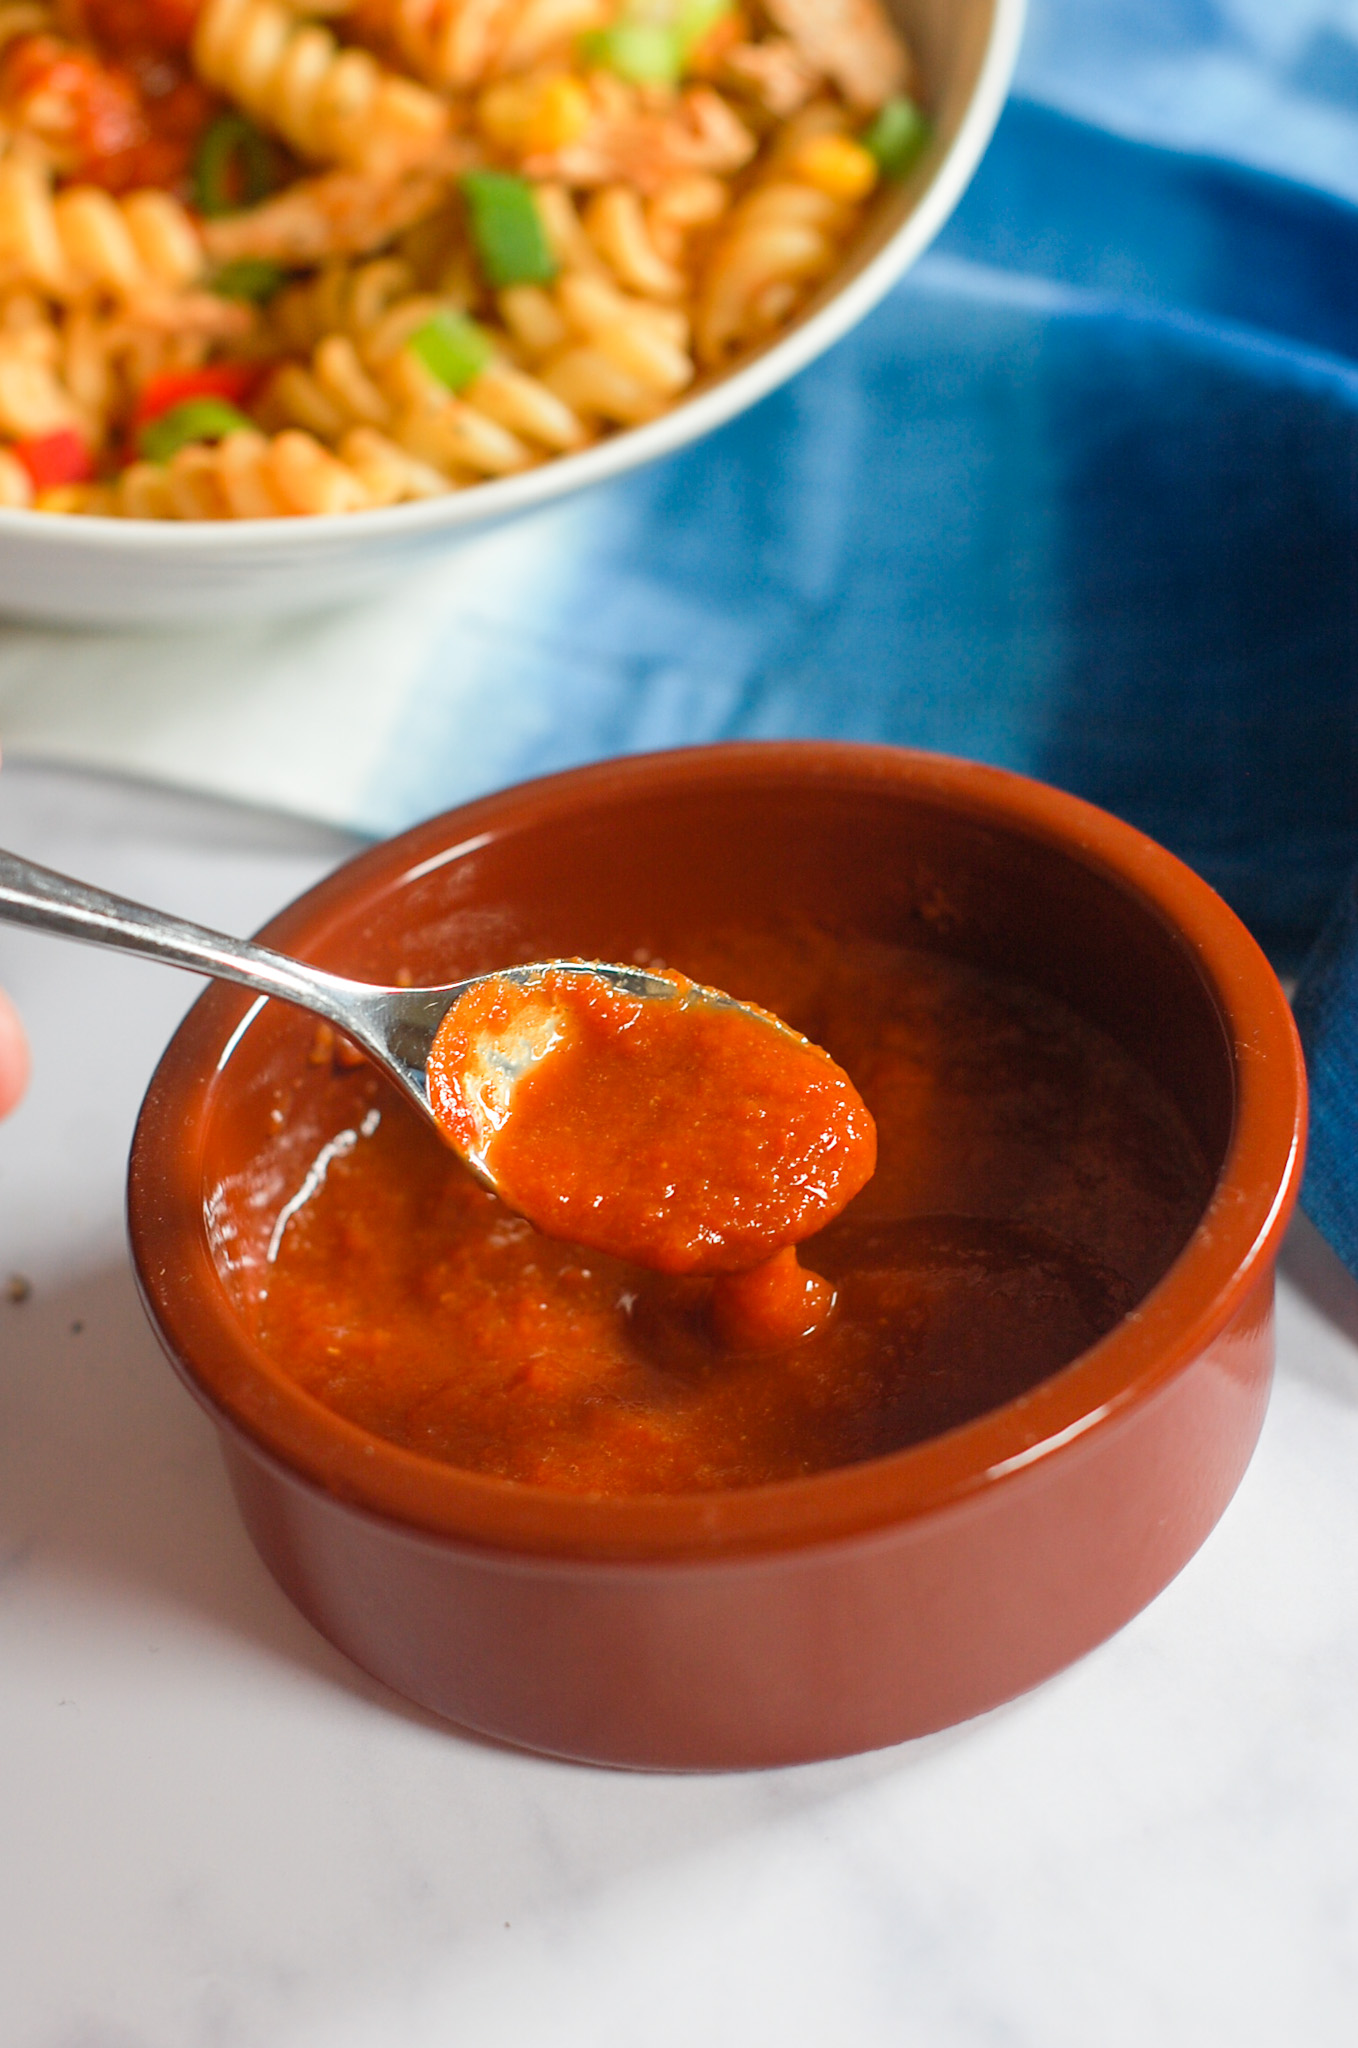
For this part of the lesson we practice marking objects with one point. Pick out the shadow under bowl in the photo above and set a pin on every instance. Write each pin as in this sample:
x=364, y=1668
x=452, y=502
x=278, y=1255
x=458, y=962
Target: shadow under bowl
x=826, y=1614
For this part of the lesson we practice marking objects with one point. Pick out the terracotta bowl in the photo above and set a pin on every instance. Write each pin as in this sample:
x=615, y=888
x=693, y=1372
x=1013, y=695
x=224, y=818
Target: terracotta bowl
x=827, y=1614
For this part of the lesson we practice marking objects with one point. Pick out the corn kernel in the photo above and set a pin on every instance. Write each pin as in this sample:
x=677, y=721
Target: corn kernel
x=62, y=498
x=836, y=166
x=526, y=115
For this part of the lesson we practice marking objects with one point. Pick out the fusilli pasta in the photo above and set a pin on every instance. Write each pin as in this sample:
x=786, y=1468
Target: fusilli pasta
x=356, y=325
x=781, y=240
x=81, y=241
x=34, y=399
x=460, y=44
x=332, y=104
x=251, y=475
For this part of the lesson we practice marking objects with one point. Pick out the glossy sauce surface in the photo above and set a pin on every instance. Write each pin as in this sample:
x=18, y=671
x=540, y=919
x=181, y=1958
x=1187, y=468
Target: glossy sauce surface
x=1032, y=1184
x=682, y=1132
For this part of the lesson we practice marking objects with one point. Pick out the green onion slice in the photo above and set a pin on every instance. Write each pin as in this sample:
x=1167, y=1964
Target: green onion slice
x=897, y=136
x=453, y=347
x=696, y=18
x=652, y=45
x=235, y=167
x=507, y=229
x=643, y=52
x=197, y=419
x=249, y=277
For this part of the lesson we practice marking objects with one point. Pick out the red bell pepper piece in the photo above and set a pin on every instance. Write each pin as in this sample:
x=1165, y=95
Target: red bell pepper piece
x=160, y=394
x=54, y=459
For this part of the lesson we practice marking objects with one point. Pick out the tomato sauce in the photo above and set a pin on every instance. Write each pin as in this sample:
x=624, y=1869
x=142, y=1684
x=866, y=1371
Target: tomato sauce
x=680, y=1132
x=1032, y=1183
x=113, y=97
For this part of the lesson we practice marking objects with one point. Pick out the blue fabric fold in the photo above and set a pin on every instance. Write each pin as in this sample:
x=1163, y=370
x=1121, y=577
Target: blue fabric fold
x=1326, y=1008
x=1081, y=498
x=1162, y=227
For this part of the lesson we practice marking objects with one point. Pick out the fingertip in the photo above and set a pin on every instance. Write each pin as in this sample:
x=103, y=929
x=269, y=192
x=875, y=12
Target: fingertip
x=13, y=1056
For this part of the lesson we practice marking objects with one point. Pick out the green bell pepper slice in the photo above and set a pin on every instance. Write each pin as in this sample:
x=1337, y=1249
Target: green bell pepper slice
x=453, y=347
x=897, y=136
x=197, y=419
x=507, y=229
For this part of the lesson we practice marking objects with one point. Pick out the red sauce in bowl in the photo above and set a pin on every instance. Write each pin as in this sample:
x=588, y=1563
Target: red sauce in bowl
x=1033, y=1182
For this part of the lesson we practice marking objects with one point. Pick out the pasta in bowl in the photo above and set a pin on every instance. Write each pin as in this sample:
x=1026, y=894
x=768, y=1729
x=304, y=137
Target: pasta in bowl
x=391, y=270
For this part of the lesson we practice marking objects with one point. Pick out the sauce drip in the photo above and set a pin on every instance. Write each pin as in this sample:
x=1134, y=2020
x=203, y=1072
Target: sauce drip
x=770, y=1306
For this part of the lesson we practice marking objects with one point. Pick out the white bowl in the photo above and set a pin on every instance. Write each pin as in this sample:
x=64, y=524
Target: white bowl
x=112, y=571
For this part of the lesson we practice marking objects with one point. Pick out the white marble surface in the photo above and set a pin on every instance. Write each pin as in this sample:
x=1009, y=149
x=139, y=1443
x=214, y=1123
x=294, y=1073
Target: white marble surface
x=215, y=1833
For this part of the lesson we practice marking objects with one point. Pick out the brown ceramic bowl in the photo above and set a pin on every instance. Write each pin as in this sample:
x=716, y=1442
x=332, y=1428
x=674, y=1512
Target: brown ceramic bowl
x=826, y=1614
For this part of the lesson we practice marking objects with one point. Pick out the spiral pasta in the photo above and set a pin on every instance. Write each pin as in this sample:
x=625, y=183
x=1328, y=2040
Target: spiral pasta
x=356, y=324
x=288, y=475
x=567, y=361
x=645, y=244
x=609, y=356
x=332, y=104
x=459, y=438
x=74, y=371
x=628, y=137
x=34, y=398
x=69, y=374
x=611, y=337
x=460, y=44
x=780, y=241
x=80, y=241
x=16, y=486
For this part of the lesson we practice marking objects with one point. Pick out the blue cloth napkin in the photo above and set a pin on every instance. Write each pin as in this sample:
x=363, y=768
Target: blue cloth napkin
x=1081, y=498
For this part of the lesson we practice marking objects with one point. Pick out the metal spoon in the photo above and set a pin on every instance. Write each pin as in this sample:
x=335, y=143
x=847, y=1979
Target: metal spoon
x=394, y=1026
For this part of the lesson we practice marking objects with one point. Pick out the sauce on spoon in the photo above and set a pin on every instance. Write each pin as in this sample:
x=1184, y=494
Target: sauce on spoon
x=692, y=1135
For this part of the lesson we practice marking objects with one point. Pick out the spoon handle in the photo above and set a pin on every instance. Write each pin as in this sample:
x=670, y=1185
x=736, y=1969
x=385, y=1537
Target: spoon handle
x=48, y=902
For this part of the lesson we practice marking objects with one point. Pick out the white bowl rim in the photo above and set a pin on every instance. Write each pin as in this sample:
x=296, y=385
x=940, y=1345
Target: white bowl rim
x=483, y=505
